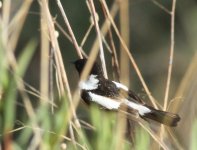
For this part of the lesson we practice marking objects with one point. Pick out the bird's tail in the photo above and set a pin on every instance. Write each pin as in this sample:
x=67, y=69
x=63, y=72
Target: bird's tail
x=166, y=118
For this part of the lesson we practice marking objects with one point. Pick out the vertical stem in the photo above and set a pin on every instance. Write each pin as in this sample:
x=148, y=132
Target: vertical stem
x=124, y=31
x=124, y=65
x=44, y=69
x=94, y=15
x=171, y=54
x=51, y=89
x=162, y=133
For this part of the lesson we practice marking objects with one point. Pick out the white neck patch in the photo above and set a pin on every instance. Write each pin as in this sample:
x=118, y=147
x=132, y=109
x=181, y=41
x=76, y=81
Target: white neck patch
x=90, y=84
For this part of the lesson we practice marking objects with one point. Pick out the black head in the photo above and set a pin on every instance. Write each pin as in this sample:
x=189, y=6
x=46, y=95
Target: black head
x=96, y=68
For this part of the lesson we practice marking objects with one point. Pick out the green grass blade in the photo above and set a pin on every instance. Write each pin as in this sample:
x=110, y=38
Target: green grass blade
x=25, y=57
x=193, y=145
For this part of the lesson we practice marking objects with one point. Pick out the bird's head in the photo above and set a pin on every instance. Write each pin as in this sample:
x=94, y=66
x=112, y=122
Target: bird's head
x=96, y=68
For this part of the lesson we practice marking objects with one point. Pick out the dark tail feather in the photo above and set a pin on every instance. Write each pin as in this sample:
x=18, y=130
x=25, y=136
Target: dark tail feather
x=167, y=118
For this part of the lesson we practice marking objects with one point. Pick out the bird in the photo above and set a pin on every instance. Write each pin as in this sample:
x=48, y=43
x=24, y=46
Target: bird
x=112, y=95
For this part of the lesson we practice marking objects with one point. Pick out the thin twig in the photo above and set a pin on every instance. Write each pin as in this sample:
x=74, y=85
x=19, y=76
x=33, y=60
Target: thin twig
x=161, y=6
x=115, y=63
x=87, y=125
x=63, y=31
x=162, y=133
x=68, y=36
x=51, y=85
x=171, y=54
x=86, y=35
x=69, y=29
x=95, y=18
x=114, y=55
x=33, y=91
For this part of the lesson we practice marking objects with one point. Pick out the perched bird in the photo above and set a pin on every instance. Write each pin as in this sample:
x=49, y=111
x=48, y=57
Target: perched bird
x=112, y=95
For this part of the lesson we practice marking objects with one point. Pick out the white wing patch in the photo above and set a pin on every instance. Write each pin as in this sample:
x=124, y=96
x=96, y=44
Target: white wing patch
x=104, y=101
x=141, y=109
x=119, y=85
x=115, y=104
x=90, y=84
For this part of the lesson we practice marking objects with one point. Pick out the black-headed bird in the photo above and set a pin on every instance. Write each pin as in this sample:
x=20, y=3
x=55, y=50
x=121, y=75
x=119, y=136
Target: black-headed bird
x=113, y=95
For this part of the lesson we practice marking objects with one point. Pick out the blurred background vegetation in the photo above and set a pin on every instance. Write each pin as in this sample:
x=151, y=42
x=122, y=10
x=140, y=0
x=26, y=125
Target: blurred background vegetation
x=148, y=39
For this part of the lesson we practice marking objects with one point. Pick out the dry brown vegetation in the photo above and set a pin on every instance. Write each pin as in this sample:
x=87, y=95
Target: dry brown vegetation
x=47, y=117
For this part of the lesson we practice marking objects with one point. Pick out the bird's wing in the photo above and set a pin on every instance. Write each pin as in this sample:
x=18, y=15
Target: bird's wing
x=106, y=88
x=133, y=96
x=128, y=94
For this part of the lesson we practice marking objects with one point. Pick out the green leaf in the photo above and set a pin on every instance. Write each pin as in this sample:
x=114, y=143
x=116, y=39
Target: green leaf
x=25, y=57
x=194, y=136
x=142, y=139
